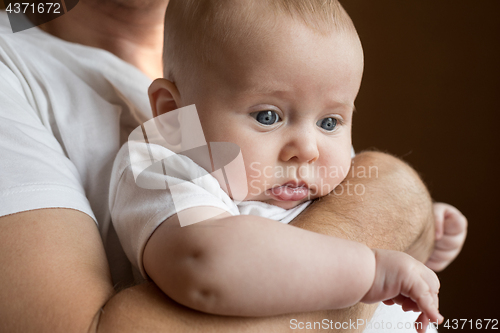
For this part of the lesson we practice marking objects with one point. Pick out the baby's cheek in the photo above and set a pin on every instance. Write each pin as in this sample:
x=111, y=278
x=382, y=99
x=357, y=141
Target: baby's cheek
x=235, y=184
x=345, y=166
x=337, y=168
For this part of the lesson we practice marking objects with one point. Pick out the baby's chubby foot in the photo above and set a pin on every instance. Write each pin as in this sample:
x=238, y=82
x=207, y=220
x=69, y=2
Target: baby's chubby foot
x=451, y=230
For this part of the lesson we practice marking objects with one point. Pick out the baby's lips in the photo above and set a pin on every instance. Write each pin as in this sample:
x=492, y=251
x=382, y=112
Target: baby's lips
x=289, y=193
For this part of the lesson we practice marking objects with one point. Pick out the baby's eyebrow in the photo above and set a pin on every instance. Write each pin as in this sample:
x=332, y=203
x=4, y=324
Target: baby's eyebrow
x=266, y=90
x=270, y=90
x=345, y=106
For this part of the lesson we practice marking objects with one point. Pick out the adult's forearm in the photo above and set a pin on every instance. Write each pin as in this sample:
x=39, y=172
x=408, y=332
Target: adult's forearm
x=144, y=308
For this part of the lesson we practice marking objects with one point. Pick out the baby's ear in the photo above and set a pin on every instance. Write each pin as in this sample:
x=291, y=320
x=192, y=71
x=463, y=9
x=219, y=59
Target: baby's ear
x=163, y=96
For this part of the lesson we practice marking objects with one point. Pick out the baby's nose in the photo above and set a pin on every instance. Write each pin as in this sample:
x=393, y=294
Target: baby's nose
x=302, y=149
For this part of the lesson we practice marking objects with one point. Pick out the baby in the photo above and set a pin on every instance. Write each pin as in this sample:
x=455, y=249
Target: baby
x=277, y=78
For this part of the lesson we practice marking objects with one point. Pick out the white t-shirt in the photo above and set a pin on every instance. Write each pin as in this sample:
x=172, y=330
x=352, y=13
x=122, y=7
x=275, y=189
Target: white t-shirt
x=65, y=110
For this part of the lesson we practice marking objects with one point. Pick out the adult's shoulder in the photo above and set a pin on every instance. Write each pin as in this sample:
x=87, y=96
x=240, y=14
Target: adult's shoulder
x=65, y=110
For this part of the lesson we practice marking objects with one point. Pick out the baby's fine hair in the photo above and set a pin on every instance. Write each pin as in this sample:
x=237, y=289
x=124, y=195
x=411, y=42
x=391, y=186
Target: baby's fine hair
x=197, y=30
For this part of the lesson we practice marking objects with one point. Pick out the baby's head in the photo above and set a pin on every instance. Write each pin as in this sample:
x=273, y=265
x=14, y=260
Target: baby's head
x=276, y=77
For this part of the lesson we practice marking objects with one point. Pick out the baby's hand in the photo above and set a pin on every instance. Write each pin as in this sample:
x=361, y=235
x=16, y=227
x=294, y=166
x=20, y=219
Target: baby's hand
x=451, y=230
x=403, y=280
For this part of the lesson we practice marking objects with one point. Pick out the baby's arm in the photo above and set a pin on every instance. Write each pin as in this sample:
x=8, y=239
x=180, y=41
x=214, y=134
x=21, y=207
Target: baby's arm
x=252, y=266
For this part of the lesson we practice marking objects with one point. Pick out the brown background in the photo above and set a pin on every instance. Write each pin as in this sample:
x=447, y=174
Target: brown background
x=430, y=95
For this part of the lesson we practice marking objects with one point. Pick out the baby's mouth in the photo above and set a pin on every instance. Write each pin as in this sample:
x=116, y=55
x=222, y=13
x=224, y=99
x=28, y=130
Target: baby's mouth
x=290, y=192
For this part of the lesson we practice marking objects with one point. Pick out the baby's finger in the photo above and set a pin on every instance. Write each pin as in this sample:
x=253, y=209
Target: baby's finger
x=400, y=299
x=431, y=281
x=421, y=323
x=450, y=242
x=436, y=300
x=410, y=305
x=426, y=304
x=388, y=302
x=424, y=293
x=440, y=259
x=439, y=212
x=407, y=304
x=455, y=222
x=429, y=307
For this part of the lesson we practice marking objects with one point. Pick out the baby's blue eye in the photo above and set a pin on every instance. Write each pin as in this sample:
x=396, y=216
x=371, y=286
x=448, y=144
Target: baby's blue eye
x=328, y=124
x=267, y=117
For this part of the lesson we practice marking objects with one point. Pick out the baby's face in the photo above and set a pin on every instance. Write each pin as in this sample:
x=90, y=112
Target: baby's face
x=287, y=101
